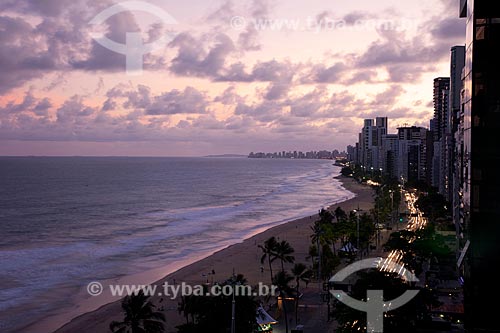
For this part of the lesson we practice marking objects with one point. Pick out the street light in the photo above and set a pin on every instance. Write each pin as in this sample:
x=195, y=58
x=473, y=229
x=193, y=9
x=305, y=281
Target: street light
x=233, y=306
x=391, y=193
x=319, y=258
x=233, y=314
x=356, y=211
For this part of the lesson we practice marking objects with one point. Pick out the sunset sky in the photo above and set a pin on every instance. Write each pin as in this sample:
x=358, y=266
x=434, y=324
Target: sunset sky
x=232, y=77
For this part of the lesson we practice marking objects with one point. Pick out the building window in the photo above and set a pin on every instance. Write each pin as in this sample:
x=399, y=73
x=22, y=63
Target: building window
x=475, y=196
x=480, y=33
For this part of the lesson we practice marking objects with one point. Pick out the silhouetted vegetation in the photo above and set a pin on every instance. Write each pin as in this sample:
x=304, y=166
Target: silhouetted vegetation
x=403, y=319
x=140, y=316
x=213, y=313
x=301, y=273
x=282, y=282
x=433, y=205
x=418, y=247
x=269, y=253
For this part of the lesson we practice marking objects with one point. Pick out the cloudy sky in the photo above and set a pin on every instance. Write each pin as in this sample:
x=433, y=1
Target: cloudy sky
x=223, y=77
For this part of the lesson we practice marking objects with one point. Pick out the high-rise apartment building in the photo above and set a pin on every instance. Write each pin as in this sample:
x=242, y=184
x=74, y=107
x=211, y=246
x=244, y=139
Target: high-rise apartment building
x=441, y=85
x=370, y=143
x=412, y=154
x=402, y=156
x=390, y=155
x=365, y=143
x=480, y=161
x=440, y=130
x=381, y=125
x=457, y=65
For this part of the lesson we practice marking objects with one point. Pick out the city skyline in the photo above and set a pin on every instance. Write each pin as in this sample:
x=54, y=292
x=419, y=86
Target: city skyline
x=457, y=156
x=144, y=150
x=218, y=86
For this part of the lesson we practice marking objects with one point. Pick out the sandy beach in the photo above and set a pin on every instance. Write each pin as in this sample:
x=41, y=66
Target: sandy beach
x=243, y=258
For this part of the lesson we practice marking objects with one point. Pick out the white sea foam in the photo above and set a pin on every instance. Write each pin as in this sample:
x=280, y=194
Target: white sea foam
x=119, y=219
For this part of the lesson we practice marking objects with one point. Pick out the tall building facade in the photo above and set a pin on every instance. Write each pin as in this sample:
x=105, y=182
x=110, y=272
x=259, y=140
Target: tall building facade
x=480, y=160
x=403, y=156
x=457, y=64
x=365, y=143
x=430, y=154
x=412, y=150
x=370, y=143
x=390, y=155
x=440, y=129
x=351, y=153
x=380, y=130
x=441, y=85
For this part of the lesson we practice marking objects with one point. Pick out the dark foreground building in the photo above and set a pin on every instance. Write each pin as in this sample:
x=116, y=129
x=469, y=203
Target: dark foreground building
x=480, y=166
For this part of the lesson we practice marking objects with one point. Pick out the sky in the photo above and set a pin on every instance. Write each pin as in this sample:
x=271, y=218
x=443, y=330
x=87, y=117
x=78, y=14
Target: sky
x=220, y=76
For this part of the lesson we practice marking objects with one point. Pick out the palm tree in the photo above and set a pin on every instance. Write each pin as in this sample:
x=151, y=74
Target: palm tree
x=313, y=253
x=281, y=281
x=214, y=313
x=269, y=252
x=237, y=279
x=340, y=214
x=284, y=253
x=325, y=216
x=190, y=306
x=140, y=316
x=301, y=273
x=318, y=232
x=319, y=238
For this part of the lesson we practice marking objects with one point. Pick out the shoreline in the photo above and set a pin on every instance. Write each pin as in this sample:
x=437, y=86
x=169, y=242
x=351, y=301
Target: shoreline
x=243, y=257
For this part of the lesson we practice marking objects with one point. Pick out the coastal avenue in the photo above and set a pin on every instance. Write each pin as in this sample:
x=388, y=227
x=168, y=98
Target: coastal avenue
x=416, y=221
x=316, y=312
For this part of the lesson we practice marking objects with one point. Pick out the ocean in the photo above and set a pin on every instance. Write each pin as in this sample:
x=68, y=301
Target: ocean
x=67, y=221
